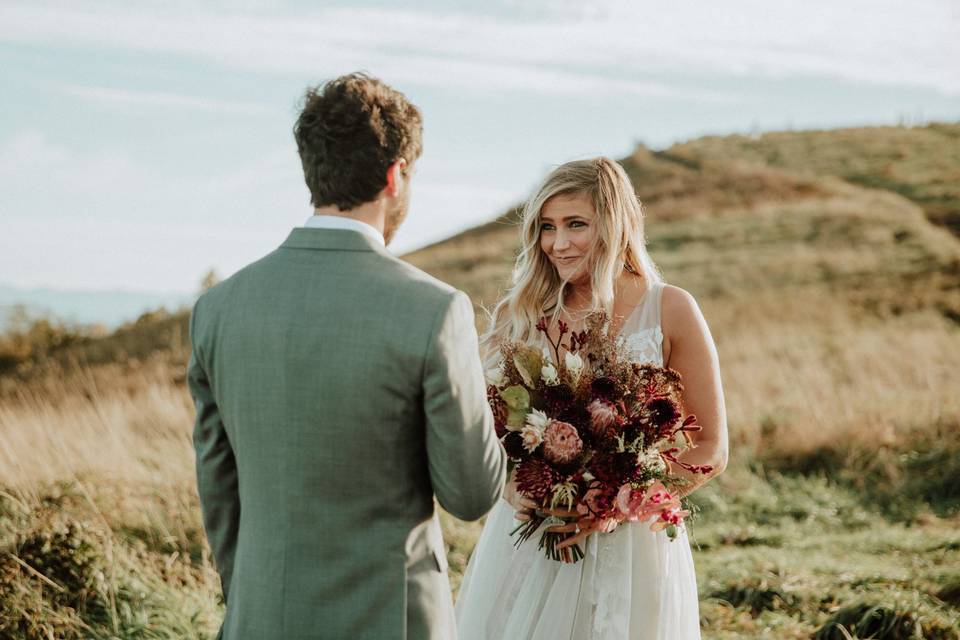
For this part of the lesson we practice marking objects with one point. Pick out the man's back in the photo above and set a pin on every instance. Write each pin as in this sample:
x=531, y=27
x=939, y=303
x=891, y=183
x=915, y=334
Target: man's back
x=348, y=391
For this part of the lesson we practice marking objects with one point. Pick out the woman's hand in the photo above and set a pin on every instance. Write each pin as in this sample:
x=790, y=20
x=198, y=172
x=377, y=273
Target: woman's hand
x=522, y=505
x=579, y=527
x=581, y=531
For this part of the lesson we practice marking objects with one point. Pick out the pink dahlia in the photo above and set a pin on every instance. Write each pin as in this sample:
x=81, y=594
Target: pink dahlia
x=561, y=442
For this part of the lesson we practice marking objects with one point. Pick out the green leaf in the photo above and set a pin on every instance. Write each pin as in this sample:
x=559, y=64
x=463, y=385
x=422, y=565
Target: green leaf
x=516, y=397
x=516, y=418
x=529, y=362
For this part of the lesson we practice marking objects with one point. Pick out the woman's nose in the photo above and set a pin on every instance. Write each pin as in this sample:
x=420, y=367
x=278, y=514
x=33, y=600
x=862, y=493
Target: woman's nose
x=560, y=241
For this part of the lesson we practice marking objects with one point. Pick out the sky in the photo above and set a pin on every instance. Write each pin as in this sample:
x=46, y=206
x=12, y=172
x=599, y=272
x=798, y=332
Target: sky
x=144, y=143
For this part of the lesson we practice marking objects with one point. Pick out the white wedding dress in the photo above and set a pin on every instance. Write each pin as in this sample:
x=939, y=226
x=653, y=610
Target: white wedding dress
x=633, y=584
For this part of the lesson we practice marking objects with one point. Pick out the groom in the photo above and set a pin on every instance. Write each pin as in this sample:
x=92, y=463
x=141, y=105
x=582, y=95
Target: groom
x=338, y=390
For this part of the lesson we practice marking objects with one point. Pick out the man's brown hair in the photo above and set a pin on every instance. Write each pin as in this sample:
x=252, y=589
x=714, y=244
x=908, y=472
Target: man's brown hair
x=350, y=131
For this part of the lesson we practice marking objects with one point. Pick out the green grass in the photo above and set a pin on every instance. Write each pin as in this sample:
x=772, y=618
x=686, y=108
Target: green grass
x=65, y=573
x=785, y=556
x=777, y=556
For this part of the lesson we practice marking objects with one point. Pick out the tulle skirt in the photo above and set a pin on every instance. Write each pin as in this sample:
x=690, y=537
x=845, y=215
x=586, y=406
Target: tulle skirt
x=633, y=584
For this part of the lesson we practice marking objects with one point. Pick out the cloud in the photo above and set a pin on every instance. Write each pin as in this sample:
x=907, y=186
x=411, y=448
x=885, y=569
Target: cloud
x=112, y=220
x=583, y=48
x=32, y=167
x=130, y=98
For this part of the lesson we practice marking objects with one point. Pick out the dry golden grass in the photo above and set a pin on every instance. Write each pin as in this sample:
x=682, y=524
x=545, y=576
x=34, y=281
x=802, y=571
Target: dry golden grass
x=112, y=460
x=826, y=379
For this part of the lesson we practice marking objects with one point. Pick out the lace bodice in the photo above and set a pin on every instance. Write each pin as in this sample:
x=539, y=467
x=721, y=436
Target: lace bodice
x=641, y=333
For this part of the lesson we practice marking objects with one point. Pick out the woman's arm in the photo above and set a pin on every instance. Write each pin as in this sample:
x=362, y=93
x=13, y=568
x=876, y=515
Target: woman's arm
x=694, y=356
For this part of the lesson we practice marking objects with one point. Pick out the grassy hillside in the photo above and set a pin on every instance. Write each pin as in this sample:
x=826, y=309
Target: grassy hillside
x=921, y=163
x=835, y=304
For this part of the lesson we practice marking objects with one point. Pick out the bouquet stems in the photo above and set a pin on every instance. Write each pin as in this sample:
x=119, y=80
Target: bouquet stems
x=548, y=540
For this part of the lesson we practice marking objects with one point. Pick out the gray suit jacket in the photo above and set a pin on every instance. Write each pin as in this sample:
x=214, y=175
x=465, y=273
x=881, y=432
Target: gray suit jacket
x=337, y=389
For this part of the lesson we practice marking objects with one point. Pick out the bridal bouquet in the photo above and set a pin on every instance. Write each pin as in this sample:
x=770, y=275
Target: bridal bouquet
x=590, y=432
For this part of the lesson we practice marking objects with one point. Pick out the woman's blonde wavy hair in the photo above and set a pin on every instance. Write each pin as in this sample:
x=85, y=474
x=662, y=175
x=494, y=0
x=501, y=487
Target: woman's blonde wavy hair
x=536, y=289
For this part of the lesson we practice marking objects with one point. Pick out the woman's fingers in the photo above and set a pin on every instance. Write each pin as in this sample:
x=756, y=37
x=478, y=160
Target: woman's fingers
x=566, y=528
x=575, y=539
x=522, y=513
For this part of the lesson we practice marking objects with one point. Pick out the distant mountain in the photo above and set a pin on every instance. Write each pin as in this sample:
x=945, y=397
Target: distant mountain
x=106, y=307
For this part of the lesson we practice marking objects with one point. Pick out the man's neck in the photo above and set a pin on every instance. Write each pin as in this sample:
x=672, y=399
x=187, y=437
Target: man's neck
x=372, y=213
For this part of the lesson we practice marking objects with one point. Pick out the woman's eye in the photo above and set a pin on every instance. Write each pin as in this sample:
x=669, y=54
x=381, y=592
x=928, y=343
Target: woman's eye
x=546, y=227
x=577, y=223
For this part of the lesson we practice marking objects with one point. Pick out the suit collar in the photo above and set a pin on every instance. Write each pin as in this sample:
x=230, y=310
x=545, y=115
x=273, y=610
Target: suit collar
x=343, y=222
x=331, y=240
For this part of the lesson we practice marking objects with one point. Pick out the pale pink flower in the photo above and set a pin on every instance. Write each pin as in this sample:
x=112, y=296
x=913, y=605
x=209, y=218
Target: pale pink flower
x=606, y=525
x=629, y=501
x=595, y=507
x=538, y=420
x=561, y=442
x=532, y=437
x=594, y=501
x=655, y=502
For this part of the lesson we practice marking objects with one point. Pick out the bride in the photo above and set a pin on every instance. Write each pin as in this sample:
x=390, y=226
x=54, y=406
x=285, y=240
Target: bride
x=583, y=251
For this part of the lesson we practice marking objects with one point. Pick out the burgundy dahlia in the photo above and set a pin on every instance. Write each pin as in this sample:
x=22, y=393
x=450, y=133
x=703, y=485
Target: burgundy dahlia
x=535, y=478
x=605, y=387
x=614, y=468
x=558, y=398
x=513, y=445
x=663, y=413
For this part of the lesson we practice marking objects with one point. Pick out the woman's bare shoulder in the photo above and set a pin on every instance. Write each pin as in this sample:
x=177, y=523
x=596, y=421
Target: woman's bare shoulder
x=679, y=311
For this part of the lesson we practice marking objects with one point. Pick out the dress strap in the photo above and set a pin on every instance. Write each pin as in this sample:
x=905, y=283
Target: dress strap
x=647, y=315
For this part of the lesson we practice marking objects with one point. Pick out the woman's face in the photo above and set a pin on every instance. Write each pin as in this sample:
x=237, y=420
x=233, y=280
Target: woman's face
x=566, y=234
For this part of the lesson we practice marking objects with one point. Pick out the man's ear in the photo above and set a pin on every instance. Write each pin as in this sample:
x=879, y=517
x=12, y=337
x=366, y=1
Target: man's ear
x=395, y=177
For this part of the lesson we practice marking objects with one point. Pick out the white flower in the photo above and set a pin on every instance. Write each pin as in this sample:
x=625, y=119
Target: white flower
x=494, y=375
x=652, y=460
x=549, y=374
x=538, y=420
x=532, y=437
x=574, y=364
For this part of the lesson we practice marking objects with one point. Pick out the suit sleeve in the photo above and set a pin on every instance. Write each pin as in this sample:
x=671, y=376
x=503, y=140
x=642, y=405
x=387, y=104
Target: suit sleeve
x=467, y=463
x=216, y=466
